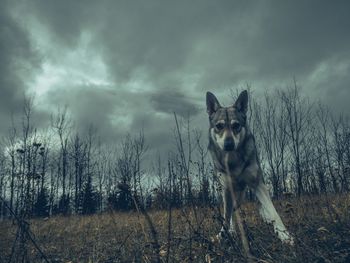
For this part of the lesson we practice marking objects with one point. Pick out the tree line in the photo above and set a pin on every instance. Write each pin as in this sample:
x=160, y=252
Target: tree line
x=304, y=148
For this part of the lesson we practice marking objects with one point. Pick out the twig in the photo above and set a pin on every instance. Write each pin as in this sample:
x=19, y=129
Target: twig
x=14, y=246
x=21, y=222
x=169, y=215
x=238, y=220
x=187, y=168
x=230, y=238
x=154, y=234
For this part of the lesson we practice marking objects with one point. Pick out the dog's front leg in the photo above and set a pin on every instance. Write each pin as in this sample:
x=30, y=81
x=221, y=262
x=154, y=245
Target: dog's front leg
x=270, y=215
x=228, y=208
x=226, y=183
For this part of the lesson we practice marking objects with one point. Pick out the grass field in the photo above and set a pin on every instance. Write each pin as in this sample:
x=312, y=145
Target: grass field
x=320, y=225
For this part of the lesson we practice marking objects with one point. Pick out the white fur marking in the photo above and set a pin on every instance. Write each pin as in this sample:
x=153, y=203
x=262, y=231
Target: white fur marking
x=236, y=139
x=270, y=215
x=219, y=140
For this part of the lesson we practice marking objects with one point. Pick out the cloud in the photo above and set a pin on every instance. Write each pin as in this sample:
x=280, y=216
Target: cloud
x=87, y=106
x=173, y=101
x=124, y=65
x=330, y=83
x=18, y=63
x=224, y=44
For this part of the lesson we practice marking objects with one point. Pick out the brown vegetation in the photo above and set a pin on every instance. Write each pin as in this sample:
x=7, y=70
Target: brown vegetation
x=321, y=226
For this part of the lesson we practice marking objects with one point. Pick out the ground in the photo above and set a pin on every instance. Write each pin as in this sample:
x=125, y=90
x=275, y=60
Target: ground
x=320, y=226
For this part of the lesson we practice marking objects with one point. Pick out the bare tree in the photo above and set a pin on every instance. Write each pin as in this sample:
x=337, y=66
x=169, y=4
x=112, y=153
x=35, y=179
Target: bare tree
x=140, y=149
x=323, y=118
x=103, y=156
x=271, y=118
x=299, y=118
x=203, y=170
x=78, y=157
x=341, y=140
x=3, y=183
x=10, y=142
x=61, y=125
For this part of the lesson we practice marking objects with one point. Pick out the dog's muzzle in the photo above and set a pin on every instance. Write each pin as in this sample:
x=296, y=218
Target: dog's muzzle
x=229, y=144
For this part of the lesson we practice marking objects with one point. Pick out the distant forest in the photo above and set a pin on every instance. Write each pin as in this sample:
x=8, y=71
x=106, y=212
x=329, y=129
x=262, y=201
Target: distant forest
x=304, y=149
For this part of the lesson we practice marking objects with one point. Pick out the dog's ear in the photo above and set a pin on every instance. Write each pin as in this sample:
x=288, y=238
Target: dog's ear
x=241, y=103
x=212, y=103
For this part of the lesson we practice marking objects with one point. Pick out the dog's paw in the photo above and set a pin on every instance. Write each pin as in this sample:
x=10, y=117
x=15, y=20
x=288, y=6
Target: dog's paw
x=223, y=235
x=232, y=231
x=289, y=241
x=216, y=239
x=286, y=238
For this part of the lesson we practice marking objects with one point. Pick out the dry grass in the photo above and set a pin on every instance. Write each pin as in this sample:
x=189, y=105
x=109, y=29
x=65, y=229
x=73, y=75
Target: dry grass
x=321, y=227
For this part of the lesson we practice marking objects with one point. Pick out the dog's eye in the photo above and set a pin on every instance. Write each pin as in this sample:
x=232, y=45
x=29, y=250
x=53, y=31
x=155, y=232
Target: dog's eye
x=236, y=126
x=219, y=126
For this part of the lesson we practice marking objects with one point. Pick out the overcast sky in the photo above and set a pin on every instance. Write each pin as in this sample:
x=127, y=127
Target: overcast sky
x=124, y=65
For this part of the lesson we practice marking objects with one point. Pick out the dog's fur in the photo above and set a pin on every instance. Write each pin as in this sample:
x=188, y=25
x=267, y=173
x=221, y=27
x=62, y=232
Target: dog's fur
x=233, y=150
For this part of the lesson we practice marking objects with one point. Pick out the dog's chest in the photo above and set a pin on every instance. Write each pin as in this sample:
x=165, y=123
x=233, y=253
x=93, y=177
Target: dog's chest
x=236, y=162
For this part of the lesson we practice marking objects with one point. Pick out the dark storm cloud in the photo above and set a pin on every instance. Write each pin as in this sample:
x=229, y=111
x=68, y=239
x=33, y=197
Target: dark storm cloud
x=88, y=106
x=194, y=46
x=297, y=35
x=173, y=101
x=18, y=61
x=156, y=40
x=112, y=111
x=274, y=41
x=66, y=20
x=157, y=129
x=223, y=43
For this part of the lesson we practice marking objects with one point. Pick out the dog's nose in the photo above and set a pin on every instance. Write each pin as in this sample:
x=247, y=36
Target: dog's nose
x=229, y=144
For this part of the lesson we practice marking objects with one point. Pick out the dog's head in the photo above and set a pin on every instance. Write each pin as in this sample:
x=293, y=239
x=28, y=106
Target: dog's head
x=227, y=124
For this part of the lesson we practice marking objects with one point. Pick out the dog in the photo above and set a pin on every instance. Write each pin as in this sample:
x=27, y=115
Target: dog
x=234, y=154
